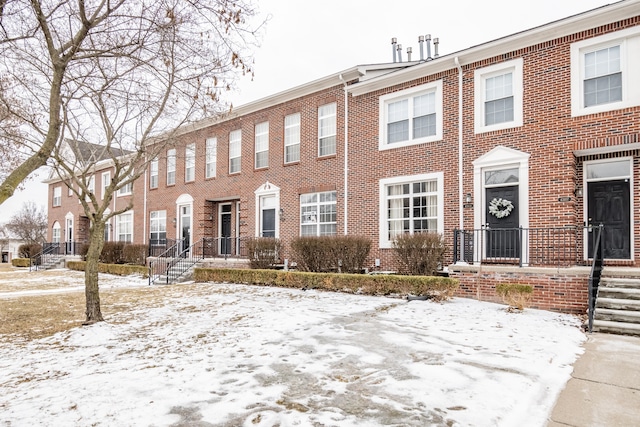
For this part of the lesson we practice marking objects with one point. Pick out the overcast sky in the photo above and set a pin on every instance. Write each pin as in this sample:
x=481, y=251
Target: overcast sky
x=304, y=41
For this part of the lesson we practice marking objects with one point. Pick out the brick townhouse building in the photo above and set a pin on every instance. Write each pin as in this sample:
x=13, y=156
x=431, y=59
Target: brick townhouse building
x=515, y=150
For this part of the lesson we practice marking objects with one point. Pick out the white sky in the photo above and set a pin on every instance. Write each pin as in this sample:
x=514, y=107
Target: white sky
x=304, y=41
x=224, y=354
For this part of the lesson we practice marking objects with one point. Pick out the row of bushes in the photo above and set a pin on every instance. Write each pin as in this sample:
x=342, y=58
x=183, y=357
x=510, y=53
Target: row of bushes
x=416, y=254
x=120, y=253
x=438, y=288
x=117, y=269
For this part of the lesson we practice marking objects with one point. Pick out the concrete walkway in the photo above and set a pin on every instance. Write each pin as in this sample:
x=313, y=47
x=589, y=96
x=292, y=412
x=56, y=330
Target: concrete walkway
x=604, y=389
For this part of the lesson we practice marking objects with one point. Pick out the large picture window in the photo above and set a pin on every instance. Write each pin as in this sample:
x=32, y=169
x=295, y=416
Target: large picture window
x=411, y=116
x=327, y=129
x=410, y=205
x=318, y=216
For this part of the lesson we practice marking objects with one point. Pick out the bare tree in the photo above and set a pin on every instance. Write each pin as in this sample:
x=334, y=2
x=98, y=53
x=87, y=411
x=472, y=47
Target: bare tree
x=122, y=74
x=29, y=224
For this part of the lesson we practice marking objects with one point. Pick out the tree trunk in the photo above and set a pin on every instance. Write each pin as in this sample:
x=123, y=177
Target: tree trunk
x=91, y=288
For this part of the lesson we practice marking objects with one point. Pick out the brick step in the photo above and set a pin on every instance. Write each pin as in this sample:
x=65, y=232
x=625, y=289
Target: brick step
x=627, y=316
x=618, y=304
x=619, y=328
x=619, y=293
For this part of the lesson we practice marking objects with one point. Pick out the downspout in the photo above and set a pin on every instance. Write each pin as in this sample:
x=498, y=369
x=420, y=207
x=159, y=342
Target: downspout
x=144, y=204
x=346, y=156
x=460, y=183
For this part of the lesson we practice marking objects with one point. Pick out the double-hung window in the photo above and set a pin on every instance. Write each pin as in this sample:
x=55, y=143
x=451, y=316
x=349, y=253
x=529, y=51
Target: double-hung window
x=318, y=216
x=55, y=232
x=292, y=138
x=171, y=166
x=235, y=150
x=106, y=181
x=411, y=116
x=262, y=145
x=498, y=96
x=412, y=204
x=211, y=157
x=57, y=196
x=124, y=227
x=158, y=227
x=127, y=188
x=603, y=72
x=327, y=129
x=190, y=163
x=153, y=174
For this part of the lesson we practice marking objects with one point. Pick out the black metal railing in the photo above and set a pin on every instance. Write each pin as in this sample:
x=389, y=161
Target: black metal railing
x=51, y=253
x=596, y=273
x=551, y=246
x=161, y=264
x=158, y=246
x=224, y=247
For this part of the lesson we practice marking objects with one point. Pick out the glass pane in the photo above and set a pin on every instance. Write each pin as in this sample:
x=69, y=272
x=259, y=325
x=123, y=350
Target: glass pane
x=608, y=170
x=269, y=223
x=398, y=131
x=328, y=146
x=424, y=126
x=504, y=176
x=498, y=111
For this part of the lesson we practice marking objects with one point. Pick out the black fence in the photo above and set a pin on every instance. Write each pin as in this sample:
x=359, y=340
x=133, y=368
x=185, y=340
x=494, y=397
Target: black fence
x=62, y=248
x=555, y=246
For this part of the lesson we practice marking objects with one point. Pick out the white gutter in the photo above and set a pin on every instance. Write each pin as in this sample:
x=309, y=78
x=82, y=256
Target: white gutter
x=346, y=156
x=460, y=157
x=144, y=204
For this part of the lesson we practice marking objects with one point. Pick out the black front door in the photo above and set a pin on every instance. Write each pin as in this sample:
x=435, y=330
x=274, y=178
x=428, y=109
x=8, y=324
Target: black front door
x=225, y=230
x=503, y=235
x=268, y=223
x=609, y=204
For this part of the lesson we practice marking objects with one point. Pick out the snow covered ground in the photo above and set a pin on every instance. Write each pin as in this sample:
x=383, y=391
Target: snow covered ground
x=235, y=355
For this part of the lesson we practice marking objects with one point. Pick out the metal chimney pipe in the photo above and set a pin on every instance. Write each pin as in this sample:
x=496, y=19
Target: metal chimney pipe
x=409, y=52
x=436, y=42
x=399, y=52
x=427, y=38
x=421, y=43
x=393, y=48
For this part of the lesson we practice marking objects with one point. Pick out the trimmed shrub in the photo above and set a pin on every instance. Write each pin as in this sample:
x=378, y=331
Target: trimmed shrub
x=419, y=253
x=29, y=250
x=20, y=262
x=517, y=296
x=112, y=253
x=438, y=288
x=331, y=253
x=117, y=269
x=264, y=252
x=134, y=254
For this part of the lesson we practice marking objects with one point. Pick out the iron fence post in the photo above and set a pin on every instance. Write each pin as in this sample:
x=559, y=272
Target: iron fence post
x=455, y=245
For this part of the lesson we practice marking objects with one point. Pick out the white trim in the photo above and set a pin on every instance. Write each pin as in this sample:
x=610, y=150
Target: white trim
x=480, y=77
x=384, y=241
x=629, y=42
x=102, y=182
x=117, y=232
x=585, y=207
x=267, y=189
x=432, y=87
x=220, y=213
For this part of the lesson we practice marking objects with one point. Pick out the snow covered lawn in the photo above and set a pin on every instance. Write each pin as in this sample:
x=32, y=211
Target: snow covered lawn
x=235, y=355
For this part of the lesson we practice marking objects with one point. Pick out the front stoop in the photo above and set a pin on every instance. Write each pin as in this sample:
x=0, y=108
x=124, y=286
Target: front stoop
x=618, y=306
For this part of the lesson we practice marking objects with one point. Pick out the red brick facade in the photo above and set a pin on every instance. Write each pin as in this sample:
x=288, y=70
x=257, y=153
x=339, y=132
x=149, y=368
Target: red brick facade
x=549, y=145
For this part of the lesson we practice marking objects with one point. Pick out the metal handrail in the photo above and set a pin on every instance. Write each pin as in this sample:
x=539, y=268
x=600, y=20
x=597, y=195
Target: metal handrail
x=595, y=275
x=158, y=266
x=36, y=260
x=177, y=264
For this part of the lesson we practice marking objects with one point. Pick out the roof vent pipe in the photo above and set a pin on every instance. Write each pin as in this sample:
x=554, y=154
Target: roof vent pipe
x=409, y=52
x=399, y=52
x=421, y=43
x=393, y=48
x=427, y=38
x=436, y=42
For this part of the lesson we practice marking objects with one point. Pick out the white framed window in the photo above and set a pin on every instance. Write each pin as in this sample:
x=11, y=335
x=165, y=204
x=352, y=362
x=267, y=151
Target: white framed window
x=327, y=129
x=211, y=153
x=235, y=150
x=603, y=72
x=498, y=96
x=292, y=138
x=91, y=186
x=124, y=227
x=318, y=214
x=55, y=232
x=57, y=196
x=157, y=227
x=126, y=189
x=411, y=204
x=69, y=189
x=411, y=116
x=153, y=173
x=106, y=181
x=190, y=163
x=171, y=166
x=262, y=145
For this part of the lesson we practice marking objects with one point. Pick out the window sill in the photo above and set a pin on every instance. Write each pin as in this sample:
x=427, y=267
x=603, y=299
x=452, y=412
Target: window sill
x=328, y=156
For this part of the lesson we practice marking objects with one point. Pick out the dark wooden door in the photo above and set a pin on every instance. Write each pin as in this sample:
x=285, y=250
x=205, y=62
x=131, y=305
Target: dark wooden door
x=503, y=235
x=609, y=204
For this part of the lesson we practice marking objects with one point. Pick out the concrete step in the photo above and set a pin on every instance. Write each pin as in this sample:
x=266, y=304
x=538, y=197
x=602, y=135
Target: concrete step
x=619, y=293
x=618, y=304
x=619, y=328
x=620, y=282
x=608, y=314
